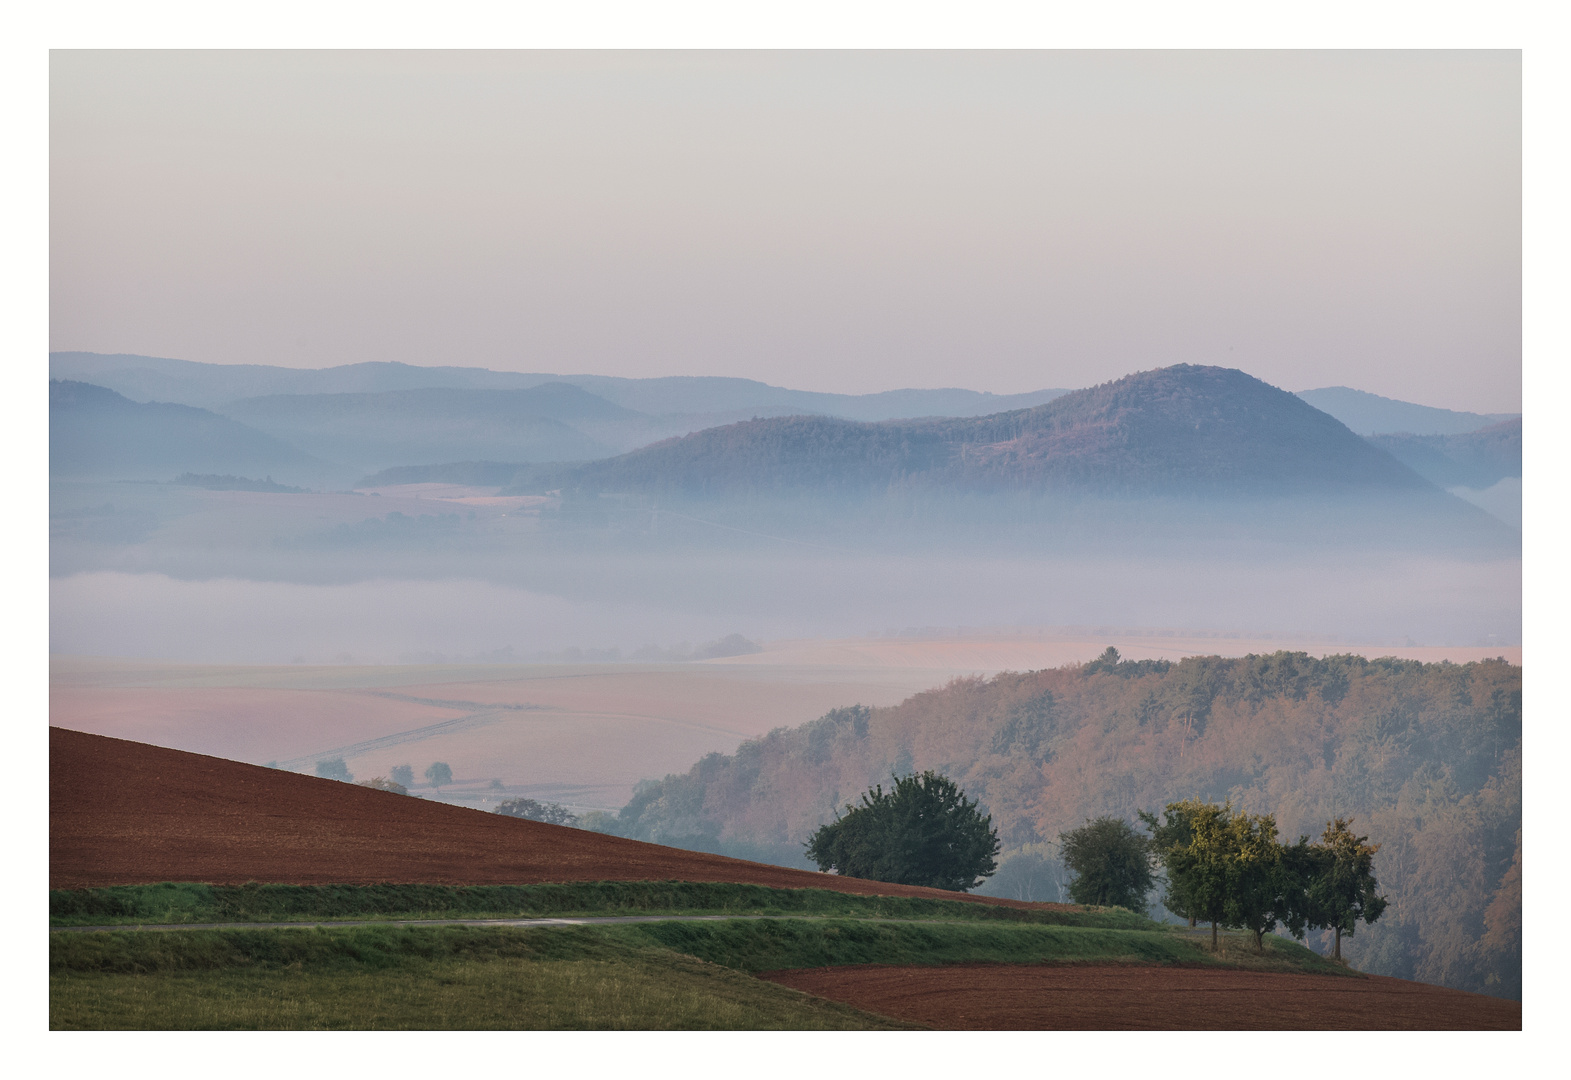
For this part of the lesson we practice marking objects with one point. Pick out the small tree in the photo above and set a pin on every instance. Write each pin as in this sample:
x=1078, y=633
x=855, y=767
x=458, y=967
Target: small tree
x=1338, y=881
x=334, y=769
x=403, y=774
x=438, y=774
x=1172, y=834
x=1112, y=864
x=923, y=832
x=1198, y=870
x=1260, y=886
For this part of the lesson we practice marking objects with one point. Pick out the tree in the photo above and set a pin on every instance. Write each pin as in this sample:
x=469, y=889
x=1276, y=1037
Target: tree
x=334, y=769
x=403, y=774
x=1232, y=872
x=439, y=774
x=1112, y=864
x=1338, y=881
x=1261, y=888
x=1197, y=870
x=923, y=832
x=1170, y=835
x=550, y=813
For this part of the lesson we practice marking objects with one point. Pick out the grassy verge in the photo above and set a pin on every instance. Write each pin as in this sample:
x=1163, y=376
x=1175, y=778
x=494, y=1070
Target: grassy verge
x=132, y=905
x=648, y=975
x=449, y=985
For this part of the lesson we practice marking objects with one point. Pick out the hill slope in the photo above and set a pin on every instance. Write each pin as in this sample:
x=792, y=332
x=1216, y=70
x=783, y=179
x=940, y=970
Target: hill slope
x=694, y=401
x=125, y=813
x=1176, y=430
x=96, y=432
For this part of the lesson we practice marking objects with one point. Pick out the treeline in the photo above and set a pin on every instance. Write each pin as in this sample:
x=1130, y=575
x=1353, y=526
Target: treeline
x=1424, y=758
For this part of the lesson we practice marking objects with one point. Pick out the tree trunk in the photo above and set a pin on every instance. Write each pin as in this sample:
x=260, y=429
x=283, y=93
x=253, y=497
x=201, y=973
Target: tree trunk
x=1339, y=943
x=1260, y=942
x=1213, y=935
x=1191, y=922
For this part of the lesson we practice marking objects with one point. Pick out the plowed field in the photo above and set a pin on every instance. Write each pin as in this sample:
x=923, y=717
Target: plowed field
x=1010, y=997
x=125, y=813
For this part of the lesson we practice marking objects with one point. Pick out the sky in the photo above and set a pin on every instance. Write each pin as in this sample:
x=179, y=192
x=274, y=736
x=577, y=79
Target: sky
x=845, y=221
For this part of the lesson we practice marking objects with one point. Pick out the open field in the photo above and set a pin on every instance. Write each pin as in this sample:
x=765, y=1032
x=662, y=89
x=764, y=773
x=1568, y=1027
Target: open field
x=652, y=975
x=865, y=973
x=1113, y=997
x=370, y=979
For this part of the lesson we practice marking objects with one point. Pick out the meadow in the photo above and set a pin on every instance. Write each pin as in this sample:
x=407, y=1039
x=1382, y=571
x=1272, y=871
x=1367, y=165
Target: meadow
x=669, y=975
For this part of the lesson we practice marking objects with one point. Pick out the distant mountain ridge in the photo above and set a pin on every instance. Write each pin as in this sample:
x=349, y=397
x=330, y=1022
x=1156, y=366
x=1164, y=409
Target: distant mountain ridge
x=549, y=422
x=1174, y=430
x=1371, y=414
x=95, y=432
x=706, y=400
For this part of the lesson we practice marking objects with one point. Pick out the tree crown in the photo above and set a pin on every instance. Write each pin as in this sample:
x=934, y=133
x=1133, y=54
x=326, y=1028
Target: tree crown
x=922, y=832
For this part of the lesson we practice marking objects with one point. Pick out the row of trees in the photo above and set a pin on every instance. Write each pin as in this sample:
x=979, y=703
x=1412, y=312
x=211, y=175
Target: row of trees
x=438, y=775
x=1229, y=869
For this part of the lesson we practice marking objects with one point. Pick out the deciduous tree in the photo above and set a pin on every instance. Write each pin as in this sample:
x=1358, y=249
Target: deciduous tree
x=1172, y=834
x=1112, y=864
x=1339, y=881
x=1261, y=890
x=1198, y=870
x=439, y=774
x=334, y=769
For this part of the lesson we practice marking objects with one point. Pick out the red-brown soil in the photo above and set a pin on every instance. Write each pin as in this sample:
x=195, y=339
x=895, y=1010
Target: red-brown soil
x=1011, y=997
x=126, y=813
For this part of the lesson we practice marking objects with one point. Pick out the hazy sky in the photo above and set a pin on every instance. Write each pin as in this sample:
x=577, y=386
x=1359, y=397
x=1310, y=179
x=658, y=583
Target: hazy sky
x=828, y=221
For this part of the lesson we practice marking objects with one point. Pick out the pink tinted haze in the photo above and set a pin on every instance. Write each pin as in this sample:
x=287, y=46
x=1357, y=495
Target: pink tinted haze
x=830, y=221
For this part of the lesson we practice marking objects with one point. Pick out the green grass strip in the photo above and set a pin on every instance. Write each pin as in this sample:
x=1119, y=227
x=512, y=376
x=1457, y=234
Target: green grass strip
x=745, y=945
x=179, y=902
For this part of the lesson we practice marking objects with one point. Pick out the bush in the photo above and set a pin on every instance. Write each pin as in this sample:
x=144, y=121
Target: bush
x=550, y=813
x=382, y=783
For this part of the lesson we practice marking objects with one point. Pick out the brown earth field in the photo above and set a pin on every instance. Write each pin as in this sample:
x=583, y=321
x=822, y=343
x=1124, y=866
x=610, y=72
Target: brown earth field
x=125, y=813
x=1040, y=997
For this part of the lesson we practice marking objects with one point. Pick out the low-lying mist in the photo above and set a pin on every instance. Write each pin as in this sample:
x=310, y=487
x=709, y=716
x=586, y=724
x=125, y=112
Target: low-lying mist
x=627, y=602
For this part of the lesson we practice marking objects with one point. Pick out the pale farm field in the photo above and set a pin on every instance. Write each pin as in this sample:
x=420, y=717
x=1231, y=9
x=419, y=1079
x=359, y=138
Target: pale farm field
x=582, y=734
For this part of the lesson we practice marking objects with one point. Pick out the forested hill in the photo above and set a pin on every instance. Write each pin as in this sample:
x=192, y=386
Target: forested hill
x=1173, y=430
x=1425, y=757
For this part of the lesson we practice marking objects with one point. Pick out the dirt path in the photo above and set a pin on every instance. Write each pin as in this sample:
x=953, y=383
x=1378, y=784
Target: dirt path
x=1065, y=997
